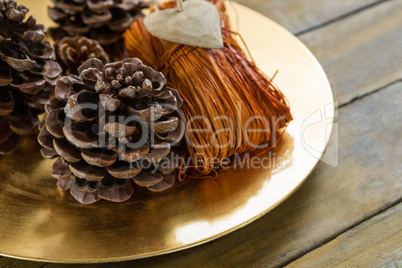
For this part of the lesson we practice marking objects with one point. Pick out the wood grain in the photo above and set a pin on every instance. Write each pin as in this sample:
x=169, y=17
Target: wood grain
x=298, y=16
x=375, y=243
x=331, y=201
x=360, y=53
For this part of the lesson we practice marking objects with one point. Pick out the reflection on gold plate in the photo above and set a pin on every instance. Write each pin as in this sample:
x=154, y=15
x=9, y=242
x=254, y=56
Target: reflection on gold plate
x=38, y=222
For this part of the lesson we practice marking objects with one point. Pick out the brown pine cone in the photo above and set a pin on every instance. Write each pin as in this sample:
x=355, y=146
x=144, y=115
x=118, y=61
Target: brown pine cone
x=113, y=125
x=71, y=52
x=28, y=73
x=102, y=20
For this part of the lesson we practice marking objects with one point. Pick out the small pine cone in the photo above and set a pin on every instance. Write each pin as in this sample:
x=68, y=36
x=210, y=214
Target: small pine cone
x=28, y=74
x=110, y=127
x=71, y=52
x=102, y=20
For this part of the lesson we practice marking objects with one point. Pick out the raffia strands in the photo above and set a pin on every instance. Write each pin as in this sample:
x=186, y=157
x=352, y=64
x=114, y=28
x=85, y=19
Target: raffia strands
x=223, y=86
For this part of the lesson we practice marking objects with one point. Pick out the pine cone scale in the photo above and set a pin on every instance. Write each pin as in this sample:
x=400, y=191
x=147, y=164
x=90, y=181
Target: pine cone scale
x=20, y=65
x=121, y=22
x=22, y=125
x=135, y=154
x=165, y=184
x=45, y=139
x=64, y=184
x=60, y=170
x=70, y=7
x=47, y=153
x=117, y=192
x=78, y=138
x=63, y=85
x=68, y=152
x=6, y=131
x=148, y=179
x=84, y=192
x=88, y=172
x=39, y=51
x=28, y=83
x=100, y=5
x=100, y=159
x=77, y=27
x=6, y=77
x=6, y=102
x=10, y=145
x=54, y=123
x=96, y=19
x=50, y=70
x=124, y=170
x=56, y=14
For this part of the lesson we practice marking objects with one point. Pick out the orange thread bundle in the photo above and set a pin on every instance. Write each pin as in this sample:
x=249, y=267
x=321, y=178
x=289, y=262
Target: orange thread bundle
x=222, y=86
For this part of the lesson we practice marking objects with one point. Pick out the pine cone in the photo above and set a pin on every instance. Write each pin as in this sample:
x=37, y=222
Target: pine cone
x=113, y=125
x=71, y=52
x=102, y=20
x=28, y=73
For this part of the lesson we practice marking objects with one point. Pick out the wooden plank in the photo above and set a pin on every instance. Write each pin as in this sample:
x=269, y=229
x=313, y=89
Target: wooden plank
x=332, y=200
x=298, y=16
x=375, y=243
x=360, y=53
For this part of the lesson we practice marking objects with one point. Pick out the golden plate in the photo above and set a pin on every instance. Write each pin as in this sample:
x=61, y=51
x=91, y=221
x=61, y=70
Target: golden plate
x=40, y=223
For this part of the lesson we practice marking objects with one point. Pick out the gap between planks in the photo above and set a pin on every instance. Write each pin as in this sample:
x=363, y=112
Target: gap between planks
x=341, y=17
x=334, y=236
x=358, y=53
x=305, y=14
x=373, y=243
x=368, y=94
x=368, y=217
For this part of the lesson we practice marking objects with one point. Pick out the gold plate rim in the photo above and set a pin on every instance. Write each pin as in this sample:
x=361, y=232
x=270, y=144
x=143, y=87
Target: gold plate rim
x=254, y=43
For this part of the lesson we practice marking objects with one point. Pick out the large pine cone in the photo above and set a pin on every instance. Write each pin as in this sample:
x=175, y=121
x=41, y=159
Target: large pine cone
x=113, y=125
x=102, y=20
x=28, y=73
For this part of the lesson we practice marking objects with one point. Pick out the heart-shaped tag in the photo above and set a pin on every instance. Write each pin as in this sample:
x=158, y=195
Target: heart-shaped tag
x=194, y=23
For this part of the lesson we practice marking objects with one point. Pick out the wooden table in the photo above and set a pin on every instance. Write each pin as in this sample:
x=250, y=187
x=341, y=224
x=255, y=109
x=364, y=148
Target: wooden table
x=349, y=215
